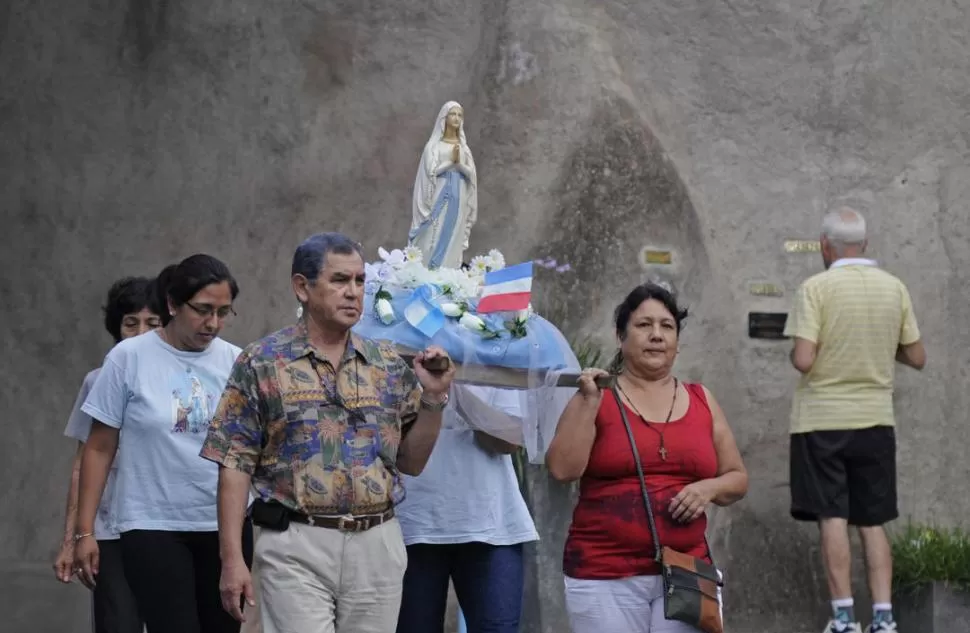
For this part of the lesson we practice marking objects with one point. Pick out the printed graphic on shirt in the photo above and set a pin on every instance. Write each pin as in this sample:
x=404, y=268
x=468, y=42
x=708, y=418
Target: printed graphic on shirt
x=192, y=404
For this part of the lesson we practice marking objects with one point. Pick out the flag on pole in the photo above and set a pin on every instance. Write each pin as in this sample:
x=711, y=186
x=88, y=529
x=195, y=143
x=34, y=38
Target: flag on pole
x=507, y=289
x=422, y=313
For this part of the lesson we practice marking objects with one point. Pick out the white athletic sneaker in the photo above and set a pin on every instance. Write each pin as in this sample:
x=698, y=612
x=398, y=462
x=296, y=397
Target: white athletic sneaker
x=882, y=627
x=836, y=626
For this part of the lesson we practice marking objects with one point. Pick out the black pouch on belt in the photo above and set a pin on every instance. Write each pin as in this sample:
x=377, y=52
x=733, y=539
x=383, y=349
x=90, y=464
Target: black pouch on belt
x=271, y=515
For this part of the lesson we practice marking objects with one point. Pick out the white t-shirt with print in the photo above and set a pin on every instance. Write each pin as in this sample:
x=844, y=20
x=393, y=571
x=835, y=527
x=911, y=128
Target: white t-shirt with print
x=79, y=428
x=465, y=494
x=162, y=400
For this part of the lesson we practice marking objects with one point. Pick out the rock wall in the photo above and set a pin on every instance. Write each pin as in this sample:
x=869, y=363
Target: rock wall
x=134, y=134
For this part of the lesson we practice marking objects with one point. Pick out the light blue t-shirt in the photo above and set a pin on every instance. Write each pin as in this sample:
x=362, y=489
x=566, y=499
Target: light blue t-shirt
x=78, y=428
x=162, y=399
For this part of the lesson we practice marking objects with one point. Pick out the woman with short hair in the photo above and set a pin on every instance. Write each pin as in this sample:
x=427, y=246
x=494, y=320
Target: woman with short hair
x=127, y=313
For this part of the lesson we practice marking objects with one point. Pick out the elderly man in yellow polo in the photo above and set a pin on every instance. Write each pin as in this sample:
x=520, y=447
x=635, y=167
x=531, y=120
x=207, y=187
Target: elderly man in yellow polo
x=850, y=325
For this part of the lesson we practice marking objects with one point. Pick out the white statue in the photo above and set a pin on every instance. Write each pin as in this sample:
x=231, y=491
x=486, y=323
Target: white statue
x=445, y=204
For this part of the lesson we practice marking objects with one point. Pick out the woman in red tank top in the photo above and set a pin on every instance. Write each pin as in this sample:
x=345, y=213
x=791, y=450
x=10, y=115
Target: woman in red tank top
x=689, y=459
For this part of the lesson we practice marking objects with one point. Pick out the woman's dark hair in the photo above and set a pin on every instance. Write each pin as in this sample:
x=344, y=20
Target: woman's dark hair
x=128, y=295
x=310, y=256
x=643, y=292
x=178, y=283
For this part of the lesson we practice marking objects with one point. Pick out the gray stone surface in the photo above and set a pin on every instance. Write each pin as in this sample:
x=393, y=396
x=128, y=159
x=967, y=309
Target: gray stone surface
x=933, y=608
x=133, y=134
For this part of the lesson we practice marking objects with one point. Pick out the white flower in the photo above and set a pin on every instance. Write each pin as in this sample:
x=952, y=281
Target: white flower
x=384, y=311
x=411, y=275
x=413, y=254
x=378, y=273
x=452, y=310
x=405, y=269
x=497, y=259
x=471, y=322
x=473, y=285
x=452, y=281
x=479, y=265
x=394, y=258
x=523, y=315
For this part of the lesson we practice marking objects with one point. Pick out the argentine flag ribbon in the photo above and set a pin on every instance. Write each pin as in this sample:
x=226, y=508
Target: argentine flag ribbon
x=422, y=313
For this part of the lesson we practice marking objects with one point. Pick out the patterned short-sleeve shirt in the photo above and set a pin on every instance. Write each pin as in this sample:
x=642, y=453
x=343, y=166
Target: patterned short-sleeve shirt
x=319, y=439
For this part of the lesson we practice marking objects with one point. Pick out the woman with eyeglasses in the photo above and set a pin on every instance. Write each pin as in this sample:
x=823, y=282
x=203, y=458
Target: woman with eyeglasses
x=157, y=393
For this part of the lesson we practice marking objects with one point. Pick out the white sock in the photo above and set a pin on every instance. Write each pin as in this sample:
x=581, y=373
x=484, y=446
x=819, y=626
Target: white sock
x=881, y=609
x=843, y=605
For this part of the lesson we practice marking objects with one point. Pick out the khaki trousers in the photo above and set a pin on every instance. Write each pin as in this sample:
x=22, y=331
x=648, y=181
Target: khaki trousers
x=320, y=580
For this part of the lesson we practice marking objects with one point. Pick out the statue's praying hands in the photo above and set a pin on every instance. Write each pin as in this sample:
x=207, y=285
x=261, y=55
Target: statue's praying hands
x=456, y=154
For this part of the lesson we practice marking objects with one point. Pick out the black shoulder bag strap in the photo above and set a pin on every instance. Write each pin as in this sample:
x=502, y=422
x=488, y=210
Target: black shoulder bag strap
x=643, y=482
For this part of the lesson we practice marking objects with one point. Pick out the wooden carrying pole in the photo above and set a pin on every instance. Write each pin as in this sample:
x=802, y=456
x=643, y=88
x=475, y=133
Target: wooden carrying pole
x=493, y=376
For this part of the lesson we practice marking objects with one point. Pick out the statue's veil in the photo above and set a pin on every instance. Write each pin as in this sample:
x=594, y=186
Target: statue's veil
x=428, y=165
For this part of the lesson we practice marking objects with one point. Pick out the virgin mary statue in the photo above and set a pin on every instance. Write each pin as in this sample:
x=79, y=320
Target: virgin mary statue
x=445, y=202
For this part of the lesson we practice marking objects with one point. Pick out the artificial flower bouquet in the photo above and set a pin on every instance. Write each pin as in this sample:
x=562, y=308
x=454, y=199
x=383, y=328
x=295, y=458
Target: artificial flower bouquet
x=455, y=291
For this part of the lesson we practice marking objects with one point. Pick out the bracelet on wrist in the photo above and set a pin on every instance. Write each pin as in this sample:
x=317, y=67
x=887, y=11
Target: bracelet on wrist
x=434, y=405
x=82, y=535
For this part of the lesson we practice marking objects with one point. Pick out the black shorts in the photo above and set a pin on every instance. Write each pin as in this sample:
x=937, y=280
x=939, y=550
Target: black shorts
x=844, y=474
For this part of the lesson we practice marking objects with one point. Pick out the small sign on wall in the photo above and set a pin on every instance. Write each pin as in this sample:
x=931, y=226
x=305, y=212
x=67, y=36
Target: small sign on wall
x=651, y=256
x=803, y=246
x=765, y=289
x=767, y=325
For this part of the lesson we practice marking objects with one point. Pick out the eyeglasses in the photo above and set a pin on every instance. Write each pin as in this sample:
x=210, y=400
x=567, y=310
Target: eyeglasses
x=207, y=312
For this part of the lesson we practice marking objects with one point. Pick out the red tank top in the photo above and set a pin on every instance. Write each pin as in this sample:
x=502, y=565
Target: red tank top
x=610, y=536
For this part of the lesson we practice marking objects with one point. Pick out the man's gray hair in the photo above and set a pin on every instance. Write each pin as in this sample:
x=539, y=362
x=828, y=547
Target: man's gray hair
x=310, y=256
x=844, y=227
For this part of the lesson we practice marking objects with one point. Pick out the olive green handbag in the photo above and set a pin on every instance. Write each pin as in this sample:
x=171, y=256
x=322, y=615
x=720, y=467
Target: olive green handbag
x=691, y=585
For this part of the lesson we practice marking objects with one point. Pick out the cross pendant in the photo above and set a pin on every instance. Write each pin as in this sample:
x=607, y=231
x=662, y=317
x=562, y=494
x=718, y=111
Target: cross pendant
x=663, y=454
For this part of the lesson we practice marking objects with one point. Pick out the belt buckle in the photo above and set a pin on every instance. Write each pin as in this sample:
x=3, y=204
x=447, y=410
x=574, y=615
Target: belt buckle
x=347, y=523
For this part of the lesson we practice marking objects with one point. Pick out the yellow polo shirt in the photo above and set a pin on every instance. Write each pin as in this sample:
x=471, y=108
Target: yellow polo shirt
x=858, y=315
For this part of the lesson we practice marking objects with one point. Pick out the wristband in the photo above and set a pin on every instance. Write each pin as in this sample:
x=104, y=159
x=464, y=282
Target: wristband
x=434, y=407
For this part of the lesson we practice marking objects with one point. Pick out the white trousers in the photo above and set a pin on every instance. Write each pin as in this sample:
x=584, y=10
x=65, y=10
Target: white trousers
x=319, y=580
x=623, y=605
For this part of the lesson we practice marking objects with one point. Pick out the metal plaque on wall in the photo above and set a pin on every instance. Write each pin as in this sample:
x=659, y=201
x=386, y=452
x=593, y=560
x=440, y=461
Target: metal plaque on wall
x=803, y=246
x=767, y=325
x=765, y=289
x=652, y=256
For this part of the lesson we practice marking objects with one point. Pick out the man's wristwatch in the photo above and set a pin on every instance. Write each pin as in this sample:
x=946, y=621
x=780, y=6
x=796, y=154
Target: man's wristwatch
x=434, y=406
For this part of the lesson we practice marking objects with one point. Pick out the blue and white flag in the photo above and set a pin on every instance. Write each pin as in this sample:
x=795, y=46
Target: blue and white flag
x=422, y=313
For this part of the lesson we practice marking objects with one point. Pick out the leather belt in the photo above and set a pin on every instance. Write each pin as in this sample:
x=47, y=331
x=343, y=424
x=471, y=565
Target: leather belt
x=346, y=523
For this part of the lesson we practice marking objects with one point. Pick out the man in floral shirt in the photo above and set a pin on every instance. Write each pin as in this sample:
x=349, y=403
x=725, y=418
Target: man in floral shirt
x=321, y=422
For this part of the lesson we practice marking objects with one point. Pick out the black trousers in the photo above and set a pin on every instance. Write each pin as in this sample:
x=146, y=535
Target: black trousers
x=114, y=607
x=175, y=579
